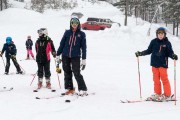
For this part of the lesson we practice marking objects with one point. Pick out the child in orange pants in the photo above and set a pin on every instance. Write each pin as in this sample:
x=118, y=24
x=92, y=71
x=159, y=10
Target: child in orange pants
x=160, y=49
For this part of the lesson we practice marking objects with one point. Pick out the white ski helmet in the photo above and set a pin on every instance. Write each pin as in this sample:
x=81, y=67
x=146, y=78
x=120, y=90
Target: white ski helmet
x=42, y=31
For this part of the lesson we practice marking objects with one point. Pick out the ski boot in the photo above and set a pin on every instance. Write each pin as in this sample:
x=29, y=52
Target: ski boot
x=19, y=72
x=153, y=97
x=164, y=98
x=6, y=73
x=69, y=91
x=40, y=83
x=82, y=93
x=48, y=85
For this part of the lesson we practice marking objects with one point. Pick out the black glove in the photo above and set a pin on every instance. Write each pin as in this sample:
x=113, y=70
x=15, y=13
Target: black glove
x=0, y=55
x=138, y=54
x=54, y=54
x=175, y=57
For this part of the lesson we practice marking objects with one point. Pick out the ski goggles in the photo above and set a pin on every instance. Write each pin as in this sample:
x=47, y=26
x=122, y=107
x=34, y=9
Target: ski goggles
x=41, y=31
x=160, y=31
x=74, y=22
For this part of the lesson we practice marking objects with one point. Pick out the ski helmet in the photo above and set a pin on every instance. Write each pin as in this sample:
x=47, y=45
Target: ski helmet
x=29, y=37
x=161, y=30
x=75, y=21
x=8, y=40
x=42, y=31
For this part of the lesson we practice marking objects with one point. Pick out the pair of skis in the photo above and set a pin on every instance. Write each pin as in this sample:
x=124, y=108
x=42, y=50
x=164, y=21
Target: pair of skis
x=136, y=101
x=63, y=95
x=37, y=90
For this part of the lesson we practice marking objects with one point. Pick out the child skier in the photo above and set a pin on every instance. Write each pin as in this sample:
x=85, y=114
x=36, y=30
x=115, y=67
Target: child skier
x=71, y=45
x=160, y=49
x=29, y=44
x=44, y=45
x=10, y=53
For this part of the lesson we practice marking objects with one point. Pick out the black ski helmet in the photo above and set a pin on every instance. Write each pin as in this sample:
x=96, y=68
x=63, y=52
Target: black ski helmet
x=161, y=29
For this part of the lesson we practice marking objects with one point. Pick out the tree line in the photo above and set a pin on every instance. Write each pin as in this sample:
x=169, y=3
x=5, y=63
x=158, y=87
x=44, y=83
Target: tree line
x=41, y=5
x=3, y=4
x=153, y=11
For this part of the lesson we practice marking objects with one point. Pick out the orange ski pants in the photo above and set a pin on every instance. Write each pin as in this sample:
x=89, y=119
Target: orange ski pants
x=161, y=74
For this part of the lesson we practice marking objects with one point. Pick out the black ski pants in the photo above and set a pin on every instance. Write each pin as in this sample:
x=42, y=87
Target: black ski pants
x=44, y=68
x=72, y=65
x=8, y=64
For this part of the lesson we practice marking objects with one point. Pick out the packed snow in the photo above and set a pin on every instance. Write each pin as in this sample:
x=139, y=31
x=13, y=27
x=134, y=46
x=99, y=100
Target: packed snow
x=111, y=71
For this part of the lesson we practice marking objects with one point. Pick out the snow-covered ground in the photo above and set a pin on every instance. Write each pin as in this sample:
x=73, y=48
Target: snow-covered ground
x=111, y=71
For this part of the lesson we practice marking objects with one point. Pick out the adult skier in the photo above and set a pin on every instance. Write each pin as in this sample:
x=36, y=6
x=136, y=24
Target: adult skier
x=72, y=44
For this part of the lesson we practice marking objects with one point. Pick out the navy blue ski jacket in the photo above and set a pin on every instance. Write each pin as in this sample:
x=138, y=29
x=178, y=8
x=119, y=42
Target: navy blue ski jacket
x=161, y=50
x=29, y=44
x=9, y=49
x=73, y=44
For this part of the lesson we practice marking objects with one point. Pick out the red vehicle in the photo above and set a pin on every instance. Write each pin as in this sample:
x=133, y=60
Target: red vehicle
x=92, y=25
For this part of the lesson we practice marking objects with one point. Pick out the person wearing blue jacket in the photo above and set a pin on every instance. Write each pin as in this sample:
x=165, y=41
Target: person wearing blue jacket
x=72, y=44
x=10, y=53
x=160, y=49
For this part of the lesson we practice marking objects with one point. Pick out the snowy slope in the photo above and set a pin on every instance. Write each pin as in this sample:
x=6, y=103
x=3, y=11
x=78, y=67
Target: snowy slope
x=111, y=69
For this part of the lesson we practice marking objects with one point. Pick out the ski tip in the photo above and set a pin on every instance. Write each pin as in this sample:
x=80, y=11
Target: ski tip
x=35, y=90
x=67, y=101
x=63, y=94
x=37, y=98
x=53, y=90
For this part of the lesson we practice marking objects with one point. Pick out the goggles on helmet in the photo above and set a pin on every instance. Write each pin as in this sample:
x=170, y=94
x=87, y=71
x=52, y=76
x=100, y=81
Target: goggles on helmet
x=74, y=21
x=160, y=31
x=41, y=31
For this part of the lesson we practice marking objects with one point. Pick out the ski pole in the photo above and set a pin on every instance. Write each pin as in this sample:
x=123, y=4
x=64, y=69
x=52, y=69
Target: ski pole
x=175, y=81
x=2, y=59
x=19, y=64
x=139, y=78
x=57, y=74
x=33, y=78
x=3, y=62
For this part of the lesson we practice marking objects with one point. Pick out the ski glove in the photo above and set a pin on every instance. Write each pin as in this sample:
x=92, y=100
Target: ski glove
x=58, y=60
x=175, y=57
x=13, y=56
x=138, y=54
x=0, y=55
x=54, y=54
x=83, y=64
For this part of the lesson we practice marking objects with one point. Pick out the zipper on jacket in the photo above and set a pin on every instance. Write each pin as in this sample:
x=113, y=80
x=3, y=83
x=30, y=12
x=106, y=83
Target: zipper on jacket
x=71, y=43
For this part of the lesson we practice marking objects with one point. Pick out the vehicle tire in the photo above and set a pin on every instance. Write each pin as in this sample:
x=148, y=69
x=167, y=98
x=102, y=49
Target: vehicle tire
x=84, y=28
x=102, y=28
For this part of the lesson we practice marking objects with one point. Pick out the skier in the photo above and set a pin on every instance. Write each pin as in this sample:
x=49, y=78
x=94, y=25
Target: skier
x=10, y=53
x=71, y=45
x=44, y=45
x=29, y=44
x=160, y=49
